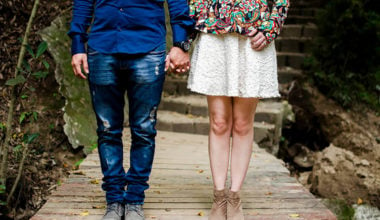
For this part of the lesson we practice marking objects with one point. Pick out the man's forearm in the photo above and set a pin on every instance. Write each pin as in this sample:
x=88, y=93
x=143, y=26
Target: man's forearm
x=82, y=16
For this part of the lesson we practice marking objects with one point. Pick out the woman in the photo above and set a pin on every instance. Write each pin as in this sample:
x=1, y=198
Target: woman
x=234, y=65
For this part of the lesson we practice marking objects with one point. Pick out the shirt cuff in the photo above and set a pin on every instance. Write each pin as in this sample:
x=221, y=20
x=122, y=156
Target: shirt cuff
x=179, y=33
x=77, y=45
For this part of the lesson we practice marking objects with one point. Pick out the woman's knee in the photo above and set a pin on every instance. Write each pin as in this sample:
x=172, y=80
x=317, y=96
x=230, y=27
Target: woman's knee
x=220, y=125
x=242, y=127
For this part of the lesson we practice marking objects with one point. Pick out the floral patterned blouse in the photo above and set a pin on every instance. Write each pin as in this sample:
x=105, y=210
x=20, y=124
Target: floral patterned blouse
x=240, y=16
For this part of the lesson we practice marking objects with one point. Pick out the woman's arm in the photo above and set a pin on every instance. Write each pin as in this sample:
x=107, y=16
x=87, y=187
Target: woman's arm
x=273, y=22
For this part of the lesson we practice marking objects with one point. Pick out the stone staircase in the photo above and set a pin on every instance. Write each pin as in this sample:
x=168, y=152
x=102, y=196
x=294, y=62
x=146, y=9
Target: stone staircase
x=186, y=112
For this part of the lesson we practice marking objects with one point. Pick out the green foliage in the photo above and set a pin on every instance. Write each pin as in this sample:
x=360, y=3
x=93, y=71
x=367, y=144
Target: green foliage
x=23, y=116
x=341, y=209
x=29, y=138
x=15, y=81
x=2, y=126
x=41, y=49
x=29, y=66
x=2, y=189
x=78, y=162
x=345, y=63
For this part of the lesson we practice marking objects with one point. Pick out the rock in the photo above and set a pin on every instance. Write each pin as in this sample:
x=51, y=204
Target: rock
x=288, y=113
x=303, y=178
x=302, y=156
x=80, y=123
x=338, y=173
x=79, y=118
x=366, y=212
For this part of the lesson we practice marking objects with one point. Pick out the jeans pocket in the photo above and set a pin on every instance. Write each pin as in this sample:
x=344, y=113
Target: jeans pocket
x=161, y=49
x=149, y=68
x=91, y=51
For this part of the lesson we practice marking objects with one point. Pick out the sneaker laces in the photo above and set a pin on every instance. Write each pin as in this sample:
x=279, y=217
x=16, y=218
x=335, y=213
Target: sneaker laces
x=112, y=207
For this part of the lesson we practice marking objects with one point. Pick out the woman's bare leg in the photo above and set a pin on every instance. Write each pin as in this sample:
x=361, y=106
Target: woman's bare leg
x=220, y=113
x=242, y=139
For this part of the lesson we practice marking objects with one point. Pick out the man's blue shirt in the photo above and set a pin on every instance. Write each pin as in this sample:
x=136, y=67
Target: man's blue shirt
x=127, y=26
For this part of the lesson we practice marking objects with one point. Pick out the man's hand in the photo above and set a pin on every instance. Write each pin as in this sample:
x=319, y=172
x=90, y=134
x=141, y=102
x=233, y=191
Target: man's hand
x=177, y=60
x=77, y=62
x=258, y=40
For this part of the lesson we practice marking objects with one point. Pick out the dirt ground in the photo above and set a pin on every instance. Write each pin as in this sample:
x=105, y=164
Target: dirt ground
x=344, y=146
x=50, y=156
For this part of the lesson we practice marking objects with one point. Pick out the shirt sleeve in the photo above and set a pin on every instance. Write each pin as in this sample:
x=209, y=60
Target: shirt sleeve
x=182, y=24
x=81, y=21
x=272, y=23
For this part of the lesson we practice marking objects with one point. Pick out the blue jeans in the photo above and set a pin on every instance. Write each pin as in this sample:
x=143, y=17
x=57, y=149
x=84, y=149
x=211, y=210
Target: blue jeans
x=142, y=77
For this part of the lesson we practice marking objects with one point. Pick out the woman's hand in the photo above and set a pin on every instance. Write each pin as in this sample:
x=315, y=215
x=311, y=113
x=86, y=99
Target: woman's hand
x=258, y=40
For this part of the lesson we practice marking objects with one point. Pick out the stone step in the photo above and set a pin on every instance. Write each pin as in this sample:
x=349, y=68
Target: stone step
x=299, y=30
x=287, y=74
x=294, y=44
x=196, y=105
x=290, y=59
x=266, y=135
x=299, y=19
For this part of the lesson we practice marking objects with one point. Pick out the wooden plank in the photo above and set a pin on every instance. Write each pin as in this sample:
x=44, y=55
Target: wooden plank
x=181, y=186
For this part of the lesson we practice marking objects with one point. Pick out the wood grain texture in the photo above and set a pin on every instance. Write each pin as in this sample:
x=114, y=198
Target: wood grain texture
x=181, y=186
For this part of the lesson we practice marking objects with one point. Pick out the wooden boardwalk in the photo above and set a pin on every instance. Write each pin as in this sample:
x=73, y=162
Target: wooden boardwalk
x=181, y=186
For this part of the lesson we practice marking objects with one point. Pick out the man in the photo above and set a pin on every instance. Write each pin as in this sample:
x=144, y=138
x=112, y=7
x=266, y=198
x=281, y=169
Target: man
x=126, y=53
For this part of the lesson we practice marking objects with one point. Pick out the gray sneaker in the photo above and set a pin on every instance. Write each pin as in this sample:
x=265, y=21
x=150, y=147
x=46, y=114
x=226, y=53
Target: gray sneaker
x=115, y=211
x=134, y=212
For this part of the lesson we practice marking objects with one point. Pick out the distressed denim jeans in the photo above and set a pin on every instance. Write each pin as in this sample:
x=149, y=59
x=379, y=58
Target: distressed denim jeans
x=142, y=77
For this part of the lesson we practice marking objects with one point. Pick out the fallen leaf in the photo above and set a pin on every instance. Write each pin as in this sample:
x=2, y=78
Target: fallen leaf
x=99, y=207
x=65, y=165
x=201, y=213
x=268, y=193
x=360, y=201
x=200, y=171
x=95, y=181
x=85, y=213
x=78, y=173
x=253, y=213
x=294, y=215
x=157, y=191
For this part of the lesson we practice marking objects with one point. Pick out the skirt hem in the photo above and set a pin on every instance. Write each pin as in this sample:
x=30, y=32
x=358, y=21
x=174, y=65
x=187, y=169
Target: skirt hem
x=260, y=96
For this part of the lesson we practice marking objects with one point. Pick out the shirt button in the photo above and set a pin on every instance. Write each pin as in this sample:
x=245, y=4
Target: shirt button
x=121, y=9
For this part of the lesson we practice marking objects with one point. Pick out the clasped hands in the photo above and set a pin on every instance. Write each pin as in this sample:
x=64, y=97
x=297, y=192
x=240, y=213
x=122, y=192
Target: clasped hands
x=177, y=60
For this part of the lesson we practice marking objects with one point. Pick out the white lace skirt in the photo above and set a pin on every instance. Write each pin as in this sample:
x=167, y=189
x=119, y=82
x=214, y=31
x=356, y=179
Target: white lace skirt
x=226, y=65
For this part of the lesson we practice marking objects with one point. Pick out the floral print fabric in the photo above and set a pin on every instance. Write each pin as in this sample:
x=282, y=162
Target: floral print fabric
x=240, y=16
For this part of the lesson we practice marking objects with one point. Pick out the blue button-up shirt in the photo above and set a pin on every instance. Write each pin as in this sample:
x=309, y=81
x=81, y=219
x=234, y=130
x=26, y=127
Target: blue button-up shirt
x=127, y=26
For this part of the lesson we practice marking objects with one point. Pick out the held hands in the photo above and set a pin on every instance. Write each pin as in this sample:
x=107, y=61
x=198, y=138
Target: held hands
x=78, y=61
x=177, y=60
x=258, y=40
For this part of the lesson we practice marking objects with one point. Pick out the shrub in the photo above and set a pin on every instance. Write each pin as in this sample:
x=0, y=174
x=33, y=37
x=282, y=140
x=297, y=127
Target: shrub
x=345, y=60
